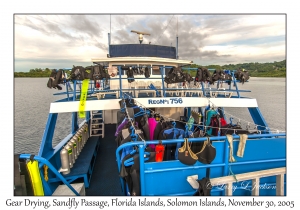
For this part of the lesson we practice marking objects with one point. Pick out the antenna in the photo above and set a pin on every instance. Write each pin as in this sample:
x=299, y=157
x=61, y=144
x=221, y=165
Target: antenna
x=140, y=35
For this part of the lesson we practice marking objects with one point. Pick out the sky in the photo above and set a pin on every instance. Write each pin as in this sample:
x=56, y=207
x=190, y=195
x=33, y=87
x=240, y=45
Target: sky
x=61, y=41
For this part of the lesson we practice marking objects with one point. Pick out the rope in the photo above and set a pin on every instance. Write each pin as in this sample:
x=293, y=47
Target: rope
x=132, y=123
x=248, y=123
x=205, y=126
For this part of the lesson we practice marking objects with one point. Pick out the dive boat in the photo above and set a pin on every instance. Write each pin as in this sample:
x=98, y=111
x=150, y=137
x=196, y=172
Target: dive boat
x=116, y=147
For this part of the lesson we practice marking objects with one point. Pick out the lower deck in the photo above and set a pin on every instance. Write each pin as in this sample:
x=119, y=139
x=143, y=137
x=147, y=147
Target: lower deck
x=105, y=179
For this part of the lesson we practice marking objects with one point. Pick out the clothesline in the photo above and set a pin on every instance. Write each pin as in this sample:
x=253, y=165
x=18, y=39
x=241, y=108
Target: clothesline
x=202, y=124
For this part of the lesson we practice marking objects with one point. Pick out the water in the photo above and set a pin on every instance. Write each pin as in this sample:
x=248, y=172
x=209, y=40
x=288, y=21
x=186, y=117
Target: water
x=33, y=98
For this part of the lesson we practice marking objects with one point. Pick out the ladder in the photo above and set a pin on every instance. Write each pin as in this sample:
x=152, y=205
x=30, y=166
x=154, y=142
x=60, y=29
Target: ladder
x=97, y=123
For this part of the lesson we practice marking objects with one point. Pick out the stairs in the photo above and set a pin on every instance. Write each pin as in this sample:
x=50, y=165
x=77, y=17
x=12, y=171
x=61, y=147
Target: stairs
x=97, y=123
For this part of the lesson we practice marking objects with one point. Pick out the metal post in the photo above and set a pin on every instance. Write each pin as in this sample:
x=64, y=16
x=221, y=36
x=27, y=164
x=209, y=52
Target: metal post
x=108, y=44
x=177, y=47
x=120, y=81
x=142, y=167
x=162, y=81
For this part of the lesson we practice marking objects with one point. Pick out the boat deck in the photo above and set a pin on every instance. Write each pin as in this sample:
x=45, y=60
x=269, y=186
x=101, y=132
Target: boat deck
x=106, y=166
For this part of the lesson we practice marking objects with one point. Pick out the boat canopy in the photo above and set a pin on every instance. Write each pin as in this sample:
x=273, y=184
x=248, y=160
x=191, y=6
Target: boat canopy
x=142, y=61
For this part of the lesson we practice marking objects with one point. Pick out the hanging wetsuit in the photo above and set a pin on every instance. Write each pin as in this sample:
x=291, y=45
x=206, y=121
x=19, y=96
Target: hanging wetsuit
x=209, y=115
x=170, y=149
x=121, y=126
x=131, y=174
x=152, y=125
x=145, y=126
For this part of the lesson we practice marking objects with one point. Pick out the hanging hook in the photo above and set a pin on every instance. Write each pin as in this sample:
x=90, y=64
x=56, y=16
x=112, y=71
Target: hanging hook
x=174, y=124
x=230, y=120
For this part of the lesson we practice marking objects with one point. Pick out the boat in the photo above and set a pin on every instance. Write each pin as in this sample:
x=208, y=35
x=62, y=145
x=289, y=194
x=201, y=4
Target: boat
x=200, y=158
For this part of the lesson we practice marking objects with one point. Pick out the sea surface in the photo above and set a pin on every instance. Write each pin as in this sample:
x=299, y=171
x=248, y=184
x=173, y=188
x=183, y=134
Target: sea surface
x=32, y=101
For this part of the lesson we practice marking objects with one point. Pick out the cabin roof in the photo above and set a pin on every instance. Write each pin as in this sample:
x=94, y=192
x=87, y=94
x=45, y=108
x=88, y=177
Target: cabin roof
x=154, y=60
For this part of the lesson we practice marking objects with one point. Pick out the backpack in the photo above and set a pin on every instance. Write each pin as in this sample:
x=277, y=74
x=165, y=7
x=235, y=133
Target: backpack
x=147, y=73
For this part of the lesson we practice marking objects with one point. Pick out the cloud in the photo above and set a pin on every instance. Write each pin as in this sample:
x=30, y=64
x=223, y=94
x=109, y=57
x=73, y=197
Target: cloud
x=205, y=39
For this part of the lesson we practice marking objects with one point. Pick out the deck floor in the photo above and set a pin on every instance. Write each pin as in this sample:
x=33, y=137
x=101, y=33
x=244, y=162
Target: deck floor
x=105, y=180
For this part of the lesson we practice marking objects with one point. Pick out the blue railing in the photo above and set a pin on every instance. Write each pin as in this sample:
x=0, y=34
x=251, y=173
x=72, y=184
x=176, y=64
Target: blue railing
x=92, y=89
x=52, y=168
x=226, y=165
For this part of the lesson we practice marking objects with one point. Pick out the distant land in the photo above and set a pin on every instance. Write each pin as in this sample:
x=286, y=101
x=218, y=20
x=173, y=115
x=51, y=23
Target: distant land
x=275, y=69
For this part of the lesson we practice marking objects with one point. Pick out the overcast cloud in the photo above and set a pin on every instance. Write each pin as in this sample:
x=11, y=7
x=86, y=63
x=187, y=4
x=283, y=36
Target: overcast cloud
x=59, y=41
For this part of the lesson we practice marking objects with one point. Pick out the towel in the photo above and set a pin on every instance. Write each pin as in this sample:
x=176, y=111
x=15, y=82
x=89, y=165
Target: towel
x=230, y=140
x=242, y=144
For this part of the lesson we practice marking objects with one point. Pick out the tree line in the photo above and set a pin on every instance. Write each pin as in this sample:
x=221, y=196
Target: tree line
x=275, y=69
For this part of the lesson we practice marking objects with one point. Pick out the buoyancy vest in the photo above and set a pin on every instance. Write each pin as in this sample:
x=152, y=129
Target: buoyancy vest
x=129, y=74
x=147, y=73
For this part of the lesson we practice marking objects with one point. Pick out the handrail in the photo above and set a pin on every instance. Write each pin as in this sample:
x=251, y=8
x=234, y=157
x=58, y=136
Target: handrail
x=51, y=167
x=172, y=141
x=254, y=176
x=142, y=145
x=164, y=90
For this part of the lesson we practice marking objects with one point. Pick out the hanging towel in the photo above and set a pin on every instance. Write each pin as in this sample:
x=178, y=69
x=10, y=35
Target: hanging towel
x=242, y=144
x=230, y=140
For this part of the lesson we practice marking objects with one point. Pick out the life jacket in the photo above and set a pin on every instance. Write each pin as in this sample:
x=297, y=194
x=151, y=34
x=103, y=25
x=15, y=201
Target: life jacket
x=147, y=73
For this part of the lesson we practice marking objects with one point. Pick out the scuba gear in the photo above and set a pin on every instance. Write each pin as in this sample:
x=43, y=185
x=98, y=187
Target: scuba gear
x=186, y=155
x=175, y=75
x=220, y=75
x=147, y=73
x=64, y=158
x=78, y=73
x=203, y=75
x=56, y=77
x=129, y=73
x=207, y=154
x=242, y=76
x=188, y=77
